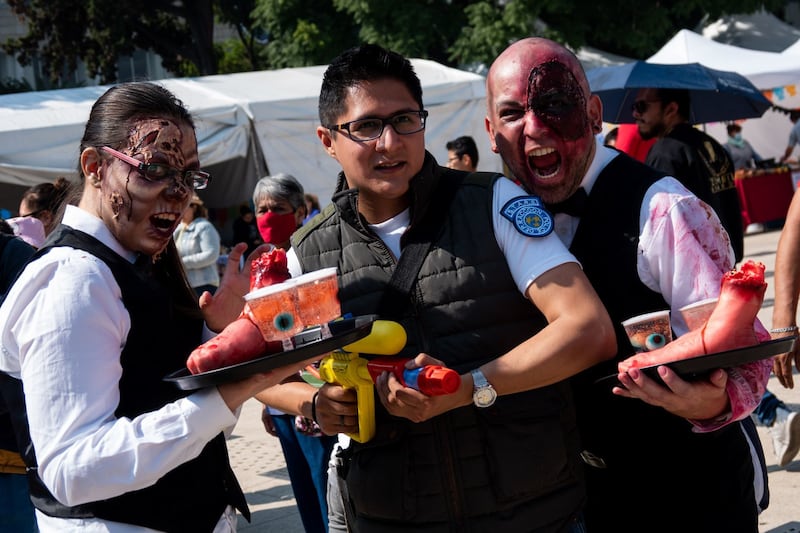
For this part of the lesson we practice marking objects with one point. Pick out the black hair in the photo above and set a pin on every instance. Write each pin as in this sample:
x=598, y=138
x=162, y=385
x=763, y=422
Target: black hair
x=679, y=96
x=464, y=145
x=313, y=200
x=611, y=136
x=733, y=128
x=365, y=63
x=114, y=113
x=51, y=197
x=110, y=122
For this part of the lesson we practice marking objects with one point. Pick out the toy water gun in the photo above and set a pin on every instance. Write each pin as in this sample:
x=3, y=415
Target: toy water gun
x=347, y=368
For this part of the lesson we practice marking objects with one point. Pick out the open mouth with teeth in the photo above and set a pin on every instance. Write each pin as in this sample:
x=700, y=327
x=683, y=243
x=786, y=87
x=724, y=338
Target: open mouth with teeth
x=165, y=221
x=544, y=162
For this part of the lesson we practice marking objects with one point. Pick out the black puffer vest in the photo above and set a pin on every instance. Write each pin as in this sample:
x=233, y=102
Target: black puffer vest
x=513, y=465
x=687, y=473
x=193, y=496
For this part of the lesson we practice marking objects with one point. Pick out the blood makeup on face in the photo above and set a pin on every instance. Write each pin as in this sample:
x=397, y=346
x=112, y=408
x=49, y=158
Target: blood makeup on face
x=161, y=136
x=146, y=138
x=555, y=96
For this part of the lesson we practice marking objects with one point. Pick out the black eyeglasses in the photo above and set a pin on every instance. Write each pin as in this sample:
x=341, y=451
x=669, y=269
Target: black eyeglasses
x=640, y=106
x=159, y=172
x=367, y=129
x=35, y=214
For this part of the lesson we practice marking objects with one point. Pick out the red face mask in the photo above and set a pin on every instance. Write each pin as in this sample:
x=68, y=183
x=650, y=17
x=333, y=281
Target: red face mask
x=275, y=228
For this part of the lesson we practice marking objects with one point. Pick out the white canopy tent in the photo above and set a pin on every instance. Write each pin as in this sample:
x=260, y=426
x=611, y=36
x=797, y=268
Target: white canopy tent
x=755, y=31
x=764, y=69
x=239, y=117
x=593, y=57
x=776, y=74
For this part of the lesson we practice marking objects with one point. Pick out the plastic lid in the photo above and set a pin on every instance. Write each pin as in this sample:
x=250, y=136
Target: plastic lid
x=270, y=289
x=316, y=275
x=646, y=316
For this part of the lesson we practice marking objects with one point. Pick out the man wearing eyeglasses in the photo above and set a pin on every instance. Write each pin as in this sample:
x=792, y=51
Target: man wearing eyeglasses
x=462, y=154
x=493, y=295
x=695, y=158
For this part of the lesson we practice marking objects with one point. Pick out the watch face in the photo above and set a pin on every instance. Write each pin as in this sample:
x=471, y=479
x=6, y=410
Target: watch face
x=484, y=397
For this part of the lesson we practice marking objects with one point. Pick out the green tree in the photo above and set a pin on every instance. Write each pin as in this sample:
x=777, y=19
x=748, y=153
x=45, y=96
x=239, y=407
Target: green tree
x=246, y=52
x=420, y=28
x=626, y=27
x=61, y=32
x=304, y=32
x=290, y=33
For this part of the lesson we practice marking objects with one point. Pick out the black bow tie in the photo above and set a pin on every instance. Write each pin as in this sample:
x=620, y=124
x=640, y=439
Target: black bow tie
x=574, y=205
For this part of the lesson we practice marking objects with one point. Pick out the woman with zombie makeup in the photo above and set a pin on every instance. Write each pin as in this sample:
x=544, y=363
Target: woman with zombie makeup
x=280, y=209
x=96, y=320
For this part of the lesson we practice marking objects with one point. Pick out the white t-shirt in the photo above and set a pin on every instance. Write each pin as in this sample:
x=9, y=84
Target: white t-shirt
x=527, y=257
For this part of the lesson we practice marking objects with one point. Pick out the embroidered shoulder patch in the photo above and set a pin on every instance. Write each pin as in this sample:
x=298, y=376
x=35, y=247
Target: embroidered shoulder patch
x=528, y=216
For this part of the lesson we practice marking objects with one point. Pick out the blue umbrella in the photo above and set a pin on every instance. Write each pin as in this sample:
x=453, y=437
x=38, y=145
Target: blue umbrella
x=716, y=95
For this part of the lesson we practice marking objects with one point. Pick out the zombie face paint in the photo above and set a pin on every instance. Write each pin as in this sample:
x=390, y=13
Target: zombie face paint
x=157, y=137
x=541, y=118
x=143, y=213
x=555, y=96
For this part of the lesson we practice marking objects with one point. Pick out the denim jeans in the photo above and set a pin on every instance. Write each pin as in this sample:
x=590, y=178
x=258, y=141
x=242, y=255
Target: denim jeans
x=307, y=462
x=16, y=509
x=766, y=411
x=577, y=526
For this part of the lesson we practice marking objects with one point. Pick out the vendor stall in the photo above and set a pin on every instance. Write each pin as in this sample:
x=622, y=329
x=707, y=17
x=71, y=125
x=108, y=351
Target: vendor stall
x=764, y=194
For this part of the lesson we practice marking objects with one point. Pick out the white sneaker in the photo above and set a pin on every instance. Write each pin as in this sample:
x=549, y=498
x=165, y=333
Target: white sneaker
x=786, y=436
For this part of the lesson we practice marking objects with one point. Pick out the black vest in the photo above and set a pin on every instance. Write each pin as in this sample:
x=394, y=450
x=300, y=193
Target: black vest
x=685, y=473
x=191, y=497
x=511, y=466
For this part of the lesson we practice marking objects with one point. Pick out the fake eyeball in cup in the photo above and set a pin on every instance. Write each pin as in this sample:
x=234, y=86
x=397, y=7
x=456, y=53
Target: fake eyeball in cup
x=650, y=331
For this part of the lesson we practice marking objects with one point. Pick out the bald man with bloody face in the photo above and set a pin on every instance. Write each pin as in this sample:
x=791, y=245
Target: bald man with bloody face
x=660, y=456
x=542, y=118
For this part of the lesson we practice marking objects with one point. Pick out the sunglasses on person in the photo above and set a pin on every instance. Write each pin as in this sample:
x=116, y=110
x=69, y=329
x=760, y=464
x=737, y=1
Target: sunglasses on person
x=159, y=172
x=641, y=106
x=367, y=129
x=34, y=214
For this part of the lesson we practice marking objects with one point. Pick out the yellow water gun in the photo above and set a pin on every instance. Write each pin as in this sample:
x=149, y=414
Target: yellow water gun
x=347, y=368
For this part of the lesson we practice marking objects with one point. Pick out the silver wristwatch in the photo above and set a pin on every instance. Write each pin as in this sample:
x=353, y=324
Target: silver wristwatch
x=483, y=394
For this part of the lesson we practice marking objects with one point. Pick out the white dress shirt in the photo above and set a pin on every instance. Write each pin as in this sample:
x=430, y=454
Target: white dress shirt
x=62, y=329
x=682, y=254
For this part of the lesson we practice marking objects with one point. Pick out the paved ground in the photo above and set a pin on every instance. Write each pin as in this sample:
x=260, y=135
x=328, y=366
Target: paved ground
x=259, y=464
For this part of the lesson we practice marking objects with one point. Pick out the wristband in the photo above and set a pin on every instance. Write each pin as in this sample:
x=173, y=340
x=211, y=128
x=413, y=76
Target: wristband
x=783, y=330
x=314, y=407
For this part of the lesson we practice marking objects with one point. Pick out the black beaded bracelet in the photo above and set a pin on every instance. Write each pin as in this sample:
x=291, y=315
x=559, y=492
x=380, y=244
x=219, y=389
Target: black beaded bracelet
x=314, y=407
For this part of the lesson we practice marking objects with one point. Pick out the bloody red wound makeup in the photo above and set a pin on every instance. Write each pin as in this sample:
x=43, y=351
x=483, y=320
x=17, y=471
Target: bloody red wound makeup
x=555, y=96
x=162, y=136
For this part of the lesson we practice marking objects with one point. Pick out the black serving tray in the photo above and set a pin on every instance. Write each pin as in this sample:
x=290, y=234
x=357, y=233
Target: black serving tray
x=699, y=367
x=308, y=343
